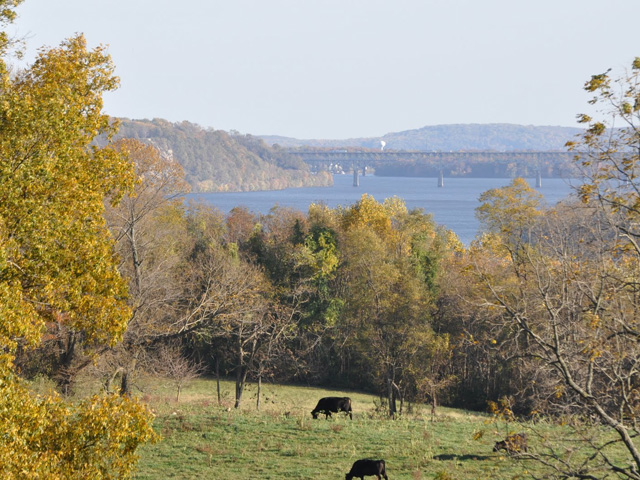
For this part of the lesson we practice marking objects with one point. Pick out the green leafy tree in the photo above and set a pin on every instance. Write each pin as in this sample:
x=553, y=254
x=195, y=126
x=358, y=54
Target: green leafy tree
x=317, y=260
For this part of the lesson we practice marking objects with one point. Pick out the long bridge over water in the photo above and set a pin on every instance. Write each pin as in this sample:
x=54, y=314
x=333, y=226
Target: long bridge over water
x=427, y=163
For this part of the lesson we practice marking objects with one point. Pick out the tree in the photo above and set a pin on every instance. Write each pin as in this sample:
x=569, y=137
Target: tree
x=272, y=348
x=57, y=265
x=510, y=211
x=150, y=232
x=7, y=16
x=387, y=279
x=571, y=302
x=569, y=319
x=161, y=181
x=608, y=151
x=609, y=155
x=222, y=297
x=170, y=362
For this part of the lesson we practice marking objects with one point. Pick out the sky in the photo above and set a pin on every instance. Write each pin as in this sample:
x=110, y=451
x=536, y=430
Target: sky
x=338, y=69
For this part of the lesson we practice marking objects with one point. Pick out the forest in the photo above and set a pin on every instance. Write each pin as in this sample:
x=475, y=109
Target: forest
x=499, y=137
x=217, y=161
x=105, y=271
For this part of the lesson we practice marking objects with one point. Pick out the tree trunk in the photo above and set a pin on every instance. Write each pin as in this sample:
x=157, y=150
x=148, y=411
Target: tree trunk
x=259, y=392
x=111, y=379
x=434, y=404
x=67, y=348
x=241, y=378
x=125, y=387
x=178, y=394
x=240, y=373
x=124, y=384
x=391, y=397
x=135, y=257
x=218, y=379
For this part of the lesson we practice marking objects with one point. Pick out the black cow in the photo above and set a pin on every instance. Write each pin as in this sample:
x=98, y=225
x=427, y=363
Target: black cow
x=327, y=405
x=367, y=467
x=515, y=443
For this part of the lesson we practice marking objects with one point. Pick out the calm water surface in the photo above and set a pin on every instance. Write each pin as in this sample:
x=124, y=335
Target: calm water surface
x=452, y=206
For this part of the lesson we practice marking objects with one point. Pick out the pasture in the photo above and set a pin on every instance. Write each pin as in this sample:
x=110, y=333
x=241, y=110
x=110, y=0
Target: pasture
x=201, y=439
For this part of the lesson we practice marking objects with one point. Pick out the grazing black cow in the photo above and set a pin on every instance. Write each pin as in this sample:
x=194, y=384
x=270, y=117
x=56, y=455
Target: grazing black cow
x=367, y=467
x=515, y=443
x=327, y=405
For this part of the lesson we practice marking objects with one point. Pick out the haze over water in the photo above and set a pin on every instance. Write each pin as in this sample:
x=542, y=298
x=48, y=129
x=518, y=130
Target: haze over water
x=452, y=206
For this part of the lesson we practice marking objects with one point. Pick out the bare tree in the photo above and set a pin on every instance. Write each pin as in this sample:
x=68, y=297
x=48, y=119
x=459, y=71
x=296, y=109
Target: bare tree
x=569, y=298
x=169, y=362
x=226, y=297
x=147, y=231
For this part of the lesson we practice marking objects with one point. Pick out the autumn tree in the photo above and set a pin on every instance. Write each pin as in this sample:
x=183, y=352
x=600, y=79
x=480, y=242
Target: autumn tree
x=573, y=299
x=387, y=280
x=222, y=300
x=608, y=154
x=57, y=265
x=299, y=260
x=160, y=183
x=510, y=212
x=149, y=227
x=234, y=306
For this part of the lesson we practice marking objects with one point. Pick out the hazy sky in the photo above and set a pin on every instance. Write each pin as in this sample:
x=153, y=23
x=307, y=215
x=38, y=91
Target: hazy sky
x=346, y=68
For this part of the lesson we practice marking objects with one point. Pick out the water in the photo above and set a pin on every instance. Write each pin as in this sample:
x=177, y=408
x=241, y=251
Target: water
x=452, y=206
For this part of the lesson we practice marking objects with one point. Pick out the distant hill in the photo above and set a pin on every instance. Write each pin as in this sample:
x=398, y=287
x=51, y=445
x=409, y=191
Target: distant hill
x=499, y=137
x=216, y=161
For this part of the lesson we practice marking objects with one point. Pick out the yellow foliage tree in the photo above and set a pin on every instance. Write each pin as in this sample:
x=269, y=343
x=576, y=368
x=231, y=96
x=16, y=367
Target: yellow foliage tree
x=377, y=216
x=389, y=264
x=57, y=264
x=509, y=210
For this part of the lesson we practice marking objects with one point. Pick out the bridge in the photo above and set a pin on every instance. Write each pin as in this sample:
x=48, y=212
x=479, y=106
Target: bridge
x=439, y=164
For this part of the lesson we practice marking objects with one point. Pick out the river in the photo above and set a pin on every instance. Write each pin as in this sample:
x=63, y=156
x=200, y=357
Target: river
x=452, y=205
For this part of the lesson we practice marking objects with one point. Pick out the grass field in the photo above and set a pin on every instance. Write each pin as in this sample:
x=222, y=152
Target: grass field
x=204, y=440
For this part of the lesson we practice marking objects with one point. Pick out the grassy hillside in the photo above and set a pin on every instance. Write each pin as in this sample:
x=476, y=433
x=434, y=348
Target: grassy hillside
x=202, y=439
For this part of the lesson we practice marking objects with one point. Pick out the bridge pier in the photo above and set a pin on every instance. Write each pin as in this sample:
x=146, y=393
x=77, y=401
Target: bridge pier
x=356, y=180
x=441, y=179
